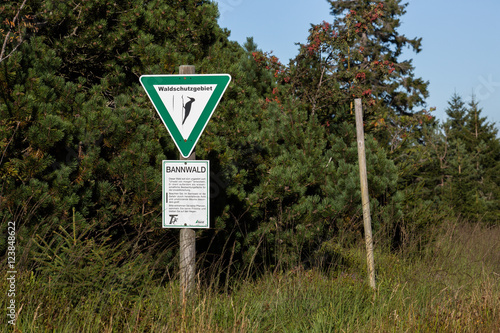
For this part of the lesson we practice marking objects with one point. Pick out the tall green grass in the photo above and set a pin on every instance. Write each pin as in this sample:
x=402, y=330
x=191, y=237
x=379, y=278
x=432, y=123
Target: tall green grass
x=453, y=286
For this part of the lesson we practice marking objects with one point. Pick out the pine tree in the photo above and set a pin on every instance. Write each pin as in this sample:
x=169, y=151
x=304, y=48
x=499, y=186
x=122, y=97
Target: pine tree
x=308, y=194
x=77, y=131
x=15, y=27
x=308, y=186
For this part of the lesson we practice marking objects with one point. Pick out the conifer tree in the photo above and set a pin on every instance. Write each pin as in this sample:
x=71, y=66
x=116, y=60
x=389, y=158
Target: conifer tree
x=359, y=56
x=16, y=26
x=375, y=28
x=457, y=117
x=309, y=186
x=473, y=157
x=79, y=139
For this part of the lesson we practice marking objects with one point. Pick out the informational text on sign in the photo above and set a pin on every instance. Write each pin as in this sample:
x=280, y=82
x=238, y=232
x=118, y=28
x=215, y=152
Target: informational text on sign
x=186, y=188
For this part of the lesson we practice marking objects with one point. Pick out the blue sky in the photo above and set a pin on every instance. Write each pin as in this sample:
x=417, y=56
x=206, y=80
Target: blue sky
x=460, y=41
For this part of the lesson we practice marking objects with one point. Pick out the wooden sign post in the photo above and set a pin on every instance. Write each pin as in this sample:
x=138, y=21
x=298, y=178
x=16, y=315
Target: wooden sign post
x=364, y=191
x=187, y=263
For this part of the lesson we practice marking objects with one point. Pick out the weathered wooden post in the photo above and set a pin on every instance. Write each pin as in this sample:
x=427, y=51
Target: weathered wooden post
x=187, y=263
x=364, y=191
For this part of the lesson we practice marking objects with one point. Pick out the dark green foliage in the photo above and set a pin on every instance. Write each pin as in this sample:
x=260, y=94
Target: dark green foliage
x=81, y=145
x=310, y=191
x=452, y=174
x=373, y=27
x=77, y=131
x=472, y=185
x=75, y=261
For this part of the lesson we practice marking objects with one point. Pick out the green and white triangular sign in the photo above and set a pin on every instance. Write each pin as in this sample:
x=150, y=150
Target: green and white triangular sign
x=185, y=103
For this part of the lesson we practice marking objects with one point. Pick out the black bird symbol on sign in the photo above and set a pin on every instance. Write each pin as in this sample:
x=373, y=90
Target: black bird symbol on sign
x=187, y=107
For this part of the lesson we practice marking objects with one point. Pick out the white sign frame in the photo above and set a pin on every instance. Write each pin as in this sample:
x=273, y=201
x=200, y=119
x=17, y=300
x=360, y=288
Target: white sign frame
x=186, y=194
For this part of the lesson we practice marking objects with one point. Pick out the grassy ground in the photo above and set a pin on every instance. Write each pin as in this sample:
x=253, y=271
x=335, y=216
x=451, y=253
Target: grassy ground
x=453, y=287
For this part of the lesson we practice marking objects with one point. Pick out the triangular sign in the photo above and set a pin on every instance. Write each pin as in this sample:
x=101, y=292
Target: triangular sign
x=185, y=103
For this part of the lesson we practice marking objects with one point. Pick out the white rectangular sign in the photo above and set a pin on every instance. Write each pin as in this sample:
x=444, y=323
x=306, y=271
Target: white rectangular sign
x=186, y=194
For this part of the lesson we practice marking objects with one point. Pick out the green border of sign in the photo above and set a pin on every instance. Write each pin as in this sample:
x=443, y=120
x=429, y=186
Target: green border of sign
x=185, y=146
x=164, y=220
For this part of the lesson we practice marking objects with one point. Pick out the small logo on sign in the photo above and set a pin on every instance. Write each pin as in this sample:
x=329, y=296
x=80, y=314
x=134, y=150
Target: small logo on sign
x=173, y=219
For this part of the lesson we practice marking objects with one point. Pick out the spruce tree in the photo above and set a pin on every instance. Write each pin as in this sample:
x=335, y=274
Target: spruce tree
x=457, y=117
x=484, y=145
x=473, y=146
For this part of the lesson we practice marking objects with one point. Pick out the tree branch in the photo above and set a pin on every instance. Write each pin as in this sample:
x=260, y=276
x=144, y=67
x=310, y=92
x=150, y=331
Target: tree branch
x=6, y=39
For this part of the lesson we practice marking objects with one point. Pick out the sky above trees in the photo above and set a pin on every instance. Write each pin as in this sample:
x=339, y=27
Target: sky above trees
x=460, y=42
